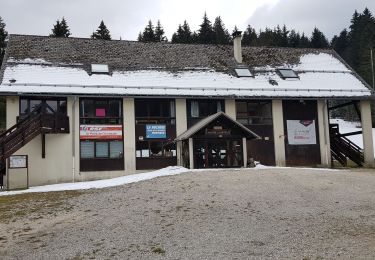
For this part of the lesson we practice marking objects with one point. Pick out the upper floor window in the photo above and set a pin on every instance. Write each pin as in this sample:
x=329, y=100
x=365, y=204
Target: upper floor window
x=101, y=111
x=155, y=111
x=45, y=104
x=254, y=112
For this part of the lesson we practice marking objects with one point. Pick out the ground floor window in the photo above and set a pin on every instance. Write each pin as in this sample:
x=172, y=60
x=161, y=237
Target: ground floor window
x=101, y=149
x=155, y=149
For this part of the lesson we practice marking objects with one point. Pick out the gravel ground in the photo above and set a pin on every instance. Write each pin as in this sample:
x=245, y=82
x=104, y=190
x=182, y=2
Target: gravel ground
x=228, y=214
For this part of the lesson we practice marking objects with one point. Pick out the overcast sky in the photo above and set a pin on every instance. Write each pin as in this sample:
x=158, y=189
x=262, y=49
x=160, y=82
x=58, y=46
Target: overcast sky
x=126, y=18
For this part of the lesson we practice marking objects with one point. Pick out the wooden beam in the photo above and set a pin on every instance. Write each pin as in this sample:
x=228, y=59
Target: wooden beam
x=43, y=146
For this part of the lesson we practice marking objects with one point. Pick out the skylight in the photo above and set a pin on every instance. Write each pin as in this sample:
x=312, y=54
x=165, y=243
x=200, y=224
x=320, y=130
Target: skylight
x=243, y=72
x=99, y=69
x=287, y=74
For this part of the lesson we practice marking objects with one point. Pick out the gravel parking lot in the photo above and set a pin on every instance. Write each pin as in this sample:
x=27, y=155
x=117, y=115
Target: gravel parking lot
x=227, y=214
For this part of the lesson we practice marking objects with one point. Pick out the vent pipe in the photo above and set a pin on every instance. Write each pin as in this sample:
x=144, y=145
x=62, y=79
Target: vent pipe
x=237, y=46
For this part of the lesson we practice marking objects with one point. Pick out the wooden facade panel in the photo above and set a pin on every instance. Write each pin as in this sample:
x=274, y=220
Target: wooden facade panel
x=301, y=155
x=101, y=165
x=155, y=163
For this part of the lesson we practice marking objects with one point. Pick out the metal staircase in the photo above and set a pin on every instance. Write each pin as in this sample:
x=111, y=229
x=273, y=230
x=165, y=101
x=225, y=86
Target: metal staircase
x=342, y=149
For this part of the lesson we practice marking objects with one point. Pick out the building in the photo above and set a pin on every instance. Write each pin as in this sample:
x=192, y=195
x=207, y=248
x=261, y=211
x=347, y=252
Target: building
x=84, y=109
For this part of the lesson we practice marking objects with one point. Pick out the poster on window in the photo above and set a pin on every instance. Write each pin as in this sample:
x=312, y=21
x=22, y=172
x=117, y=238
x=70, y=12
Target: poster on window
x=156, y=131
x=301, y=132
x=100, y=132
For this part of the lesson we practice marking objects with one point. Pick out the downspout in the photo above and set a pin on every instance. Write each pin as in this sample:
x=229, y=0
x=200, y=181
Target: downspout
x=73, y=137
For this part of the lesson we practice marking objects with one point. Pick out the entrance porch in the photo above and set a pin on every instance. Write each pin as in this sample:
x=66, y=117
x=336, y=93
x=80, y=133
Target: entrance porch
x=217, y=141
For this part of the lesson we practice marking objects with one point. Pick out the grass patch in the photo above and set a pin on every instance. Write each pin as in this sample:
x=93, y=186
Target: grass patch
x=158, y=250
x=18, y=206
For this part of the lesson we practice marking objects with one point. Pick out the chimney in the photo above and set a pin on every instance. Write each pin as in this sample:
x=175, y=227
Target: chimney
x=237, y=46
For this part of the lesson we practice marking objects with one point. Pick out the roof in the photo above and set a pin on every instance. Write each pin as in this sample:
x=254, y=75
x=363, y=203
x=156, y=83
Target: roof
x=206, y=121
x=61, y=66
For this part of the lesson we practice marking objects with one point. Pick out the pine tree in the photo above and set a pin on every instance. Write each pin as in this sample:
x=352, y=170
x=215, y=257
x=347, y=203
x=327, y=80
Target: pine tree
x=102, y=32
x=205, y=33
x=318, y=39
x=183, y=34
x=3, y=35
x=221, y=34
x=148, y=34
x=266, y=37
x=159, y=33
x=304, y=41
x=294, y=39
x=60, y=29
x=341, y=43
x=250, y=37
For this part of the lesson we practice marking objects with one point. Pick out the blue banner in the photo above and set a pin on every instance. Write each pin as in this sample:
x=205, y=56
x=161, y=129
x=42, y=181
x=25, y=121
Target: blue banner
x=156, y=131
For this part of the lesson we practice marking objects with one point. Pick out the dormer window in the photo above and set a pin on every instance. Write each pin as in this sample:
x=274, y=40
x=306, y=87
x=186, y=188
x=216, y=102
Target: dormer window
x=243, y=73
x=287, y=74
x=99, y=69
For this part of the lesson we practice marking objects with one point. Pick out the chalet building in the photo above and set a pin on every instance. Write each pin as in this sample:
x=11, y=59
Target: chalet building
x=82, y=109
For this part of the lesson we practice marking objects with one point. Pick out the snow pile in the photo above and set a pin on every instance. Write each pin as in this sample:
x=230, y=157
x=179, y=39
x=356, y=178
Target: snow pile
x=172, y=170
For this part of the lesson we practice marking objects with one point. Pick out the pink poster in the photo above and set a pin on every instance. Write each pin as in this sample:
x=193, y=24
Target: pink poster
x=100, y=112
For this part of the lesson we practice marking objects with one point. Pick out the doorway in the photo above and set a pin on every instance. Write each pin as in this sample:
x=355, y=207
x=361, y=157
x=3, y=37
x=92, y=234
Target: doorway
x=218, y=153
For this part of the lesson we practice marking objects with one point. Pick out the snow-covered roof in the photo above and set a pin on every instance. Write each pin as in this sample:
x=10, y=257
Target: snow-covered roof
x=51, y=66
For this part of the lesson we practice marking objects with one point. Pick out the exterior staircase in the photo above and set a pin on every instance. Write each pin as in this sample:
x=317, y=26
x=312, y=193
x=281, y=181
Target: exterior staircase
x=26, y=129
x=342, y=149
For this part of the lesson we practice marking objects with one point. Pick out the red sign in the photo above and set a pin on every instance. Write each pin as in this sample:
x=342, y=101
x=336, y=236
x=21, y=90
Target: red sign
x=100, y=132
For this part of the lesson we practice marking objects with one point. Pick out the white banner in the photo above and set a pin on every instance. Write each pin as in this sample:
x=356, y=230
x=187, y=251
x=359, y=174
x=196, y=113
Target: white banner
x=100, y=132
x=301, y=132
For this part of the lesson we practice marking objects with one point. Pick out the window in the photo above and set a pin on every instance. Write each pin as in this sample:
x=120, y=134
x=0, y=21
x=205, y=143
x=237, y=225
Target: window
x=204, y=108
x=254, y=112
x=199, y=109
x=155, y=149
x=101, y=149
x=99, y=69
x=243, y=72
x=47, y=105
x=101, y=111
x=287, y=74
x=155, y=111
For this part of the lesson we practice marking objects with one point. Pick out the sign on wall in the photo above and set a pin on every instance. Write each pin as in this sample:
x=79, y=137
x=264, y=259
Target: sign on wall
x=17, y=161
x=156, y=131
x=100, y=132
x=301, y=132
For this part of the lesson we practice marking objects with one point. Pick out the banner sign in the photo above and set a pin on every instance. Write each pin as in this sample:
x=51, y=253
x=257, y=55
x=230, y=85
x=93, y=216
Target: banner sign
x=100, y=132
x=156, y=131
x=301, y=132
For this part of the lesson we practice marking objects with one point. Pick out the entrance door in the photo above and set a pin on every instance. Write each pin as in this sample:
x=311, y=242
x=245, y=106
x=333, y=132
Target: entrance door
x=218, y=153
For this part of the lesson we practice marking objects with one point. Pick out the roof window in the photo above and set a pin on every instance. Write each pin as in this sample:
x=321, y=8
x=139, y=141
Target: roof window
x=99, y=69
x=243, y=72
x=287, y=74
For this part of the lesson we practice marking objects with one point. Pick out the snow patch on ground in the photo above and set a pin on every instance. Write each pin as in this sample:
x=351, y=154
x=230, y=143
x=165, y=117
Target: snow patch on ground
x=172, y=170
x=169, y=171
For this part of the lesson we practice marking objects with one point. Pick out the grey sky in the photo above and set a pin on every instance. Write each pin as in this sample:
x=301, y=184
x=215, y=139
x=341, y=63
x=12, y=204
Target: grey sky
x=125, y=18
